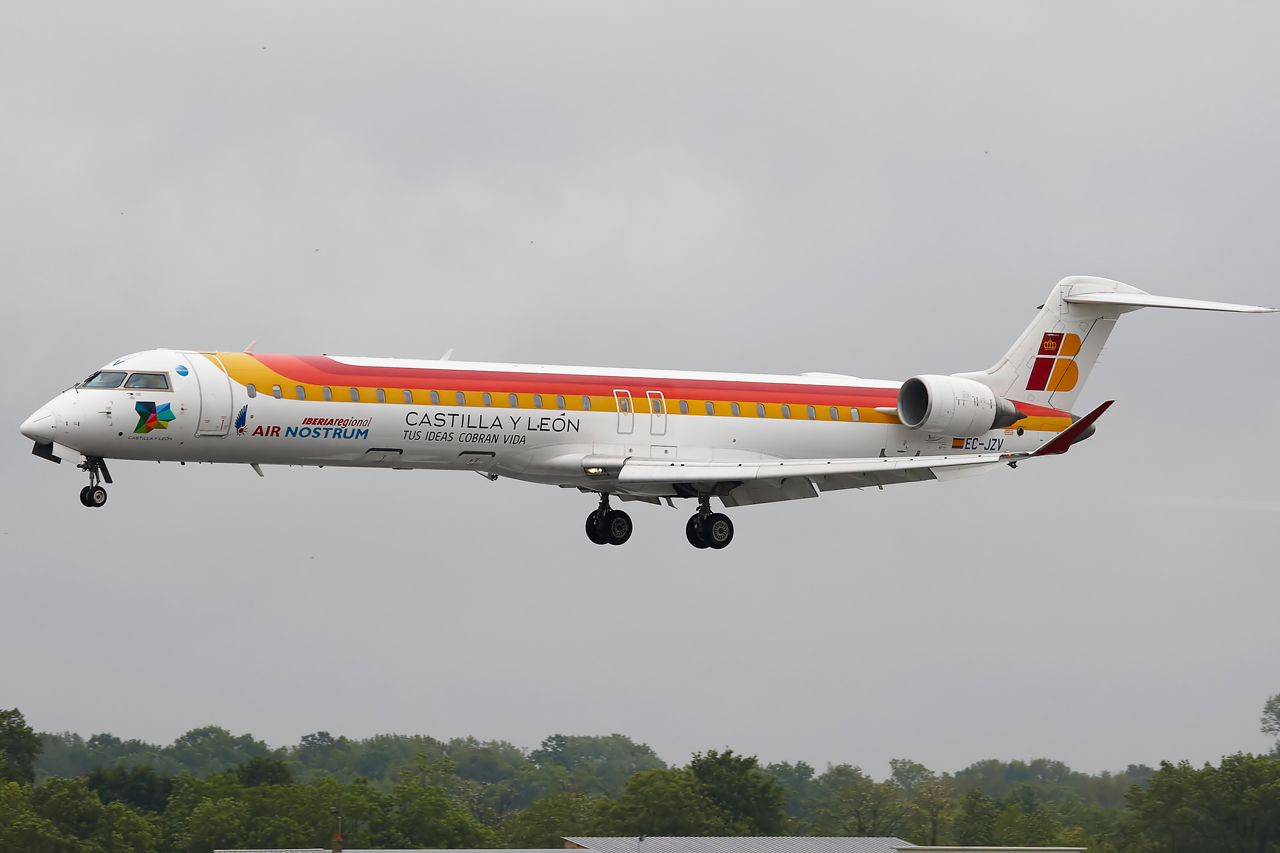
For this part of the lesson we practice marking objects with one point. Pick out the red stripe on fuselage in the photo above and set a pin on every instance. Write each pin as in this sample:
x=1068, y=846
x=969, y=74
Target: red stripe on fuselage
x=320, y=370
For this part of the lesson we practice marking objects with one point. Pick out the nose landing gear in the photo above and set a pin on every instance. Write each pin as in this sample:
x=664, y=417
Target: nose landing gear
x=606, y=526
x=93, y=495
x=707, y=529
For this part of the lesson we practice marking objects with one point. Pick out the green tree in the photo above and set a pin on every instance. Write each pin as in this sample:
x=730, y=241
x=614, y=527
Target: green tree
x=1229, y=808
x=424, y=817
x=753, y=802
x=139, y=787
x=659, y=802
x=864, y=807
x=799, y=788
x=547, y=821
x=907, y=774
x=975, y=820
x=1271, y=716
x=931, y=799
x=213, y=748
x=22, y=829
x=19, y=745
x=1035, y=827
x=69, y=809
x=263, y=770
x=597, y=765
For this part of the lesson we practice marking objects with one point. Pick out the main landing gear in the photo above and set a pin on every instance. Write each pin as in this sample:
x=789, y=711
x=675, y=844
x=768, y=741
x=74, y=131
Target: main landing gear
x=707, y=529
x=608, y=526
x=93, y=495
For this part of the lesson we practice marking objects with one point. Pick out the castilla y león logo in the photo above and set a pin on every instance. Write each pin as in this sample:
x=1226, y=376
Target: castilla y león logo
x=151, y=416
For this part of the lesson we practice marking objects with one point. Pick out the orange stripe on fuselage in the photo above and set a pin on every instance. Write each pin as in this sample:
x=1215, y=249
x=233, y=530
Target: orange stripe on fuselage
x=317, y=372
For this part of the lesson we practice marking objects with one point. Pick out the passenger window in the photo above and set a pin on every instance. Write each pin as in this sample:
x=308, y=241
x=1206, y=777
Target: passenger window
x=586, y=404
x=488, y=400
x=408, y=396
x=435, y=398
x=513, y=400
x=300, y=392
x=277, y=392
x=381, y=395
x=559, y=402
x=759, y=410
x=684, y=407
x=105, y=379
x=355, y=395
x=251, y=389
x=150, y=381
x=328, y=393
x=537, y=401
x=461, y=398
x=835, y=413
x=813, y=413
x=735, y=408
x=853, y=415
x=711, y=408
x=786, y=411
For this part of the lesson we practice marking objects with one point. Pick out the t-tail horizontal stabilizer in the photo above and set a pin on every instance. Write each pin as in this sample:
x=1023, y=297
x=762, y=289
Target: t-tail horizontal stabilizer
x=1146, y=300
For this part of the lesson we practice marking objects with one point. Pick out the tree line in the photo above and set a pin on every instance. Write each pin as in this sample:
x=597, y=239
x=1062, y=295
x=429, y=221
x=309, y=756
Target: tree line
x=61, y=793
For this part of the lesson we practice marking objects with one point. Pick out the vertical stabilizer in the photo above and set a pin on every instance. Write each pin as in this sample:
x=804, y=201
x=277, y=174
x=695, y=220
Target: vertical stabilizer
x=1052, y=359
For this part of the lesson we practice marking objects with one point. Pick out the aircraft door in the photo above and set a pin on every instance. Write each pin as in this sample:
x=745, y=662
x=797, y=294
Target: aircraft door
x=215, y=394
x=626, y=413
x=657, y=413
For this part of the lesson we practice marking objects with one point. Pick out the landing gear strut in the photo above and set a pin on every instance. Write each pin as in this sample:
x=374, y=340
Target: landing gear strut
x=608, y=526
x=707, y=529
x=93, y=495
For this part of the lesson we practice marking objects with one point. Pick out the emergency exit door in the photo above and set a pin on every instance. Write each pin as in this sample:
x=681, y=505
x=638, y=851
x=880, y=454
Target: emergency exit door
x=657, y=413
x=626, y=412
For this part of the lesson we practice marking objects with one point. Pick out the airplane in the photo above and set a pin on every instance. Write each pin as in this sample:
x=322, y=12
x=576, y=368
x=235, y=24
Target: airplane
x=634, y=435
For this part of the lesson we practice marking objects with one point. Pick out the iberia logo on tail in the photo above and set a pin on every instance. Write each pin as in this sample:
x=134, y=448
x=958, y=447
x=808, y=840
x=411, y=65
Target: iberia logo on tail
x=1055, y=368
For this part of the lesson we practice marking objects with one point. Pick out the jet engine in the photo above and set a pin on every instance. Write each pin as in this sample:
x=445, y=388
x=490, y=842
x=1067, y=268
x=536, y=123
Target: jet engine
x=951, y=406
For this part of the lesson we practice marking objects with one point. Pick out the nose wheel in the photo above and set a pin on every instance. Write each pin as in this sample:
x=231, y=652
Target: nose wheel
x=707, y=529
x=608, y=526
x=93, y=495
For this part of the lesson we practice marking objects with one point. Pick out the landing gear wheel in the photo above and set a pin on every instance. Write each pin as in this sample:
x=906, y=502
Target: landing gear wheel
x=693, y=532
x=97, y=496
x=84, y=495
x=617, y=527
x=717, y=529
x=593, y=530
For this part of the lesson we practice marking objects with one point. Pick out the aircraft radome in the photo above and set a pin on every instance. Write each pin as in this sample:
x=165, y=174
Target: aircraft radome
x=637, y=435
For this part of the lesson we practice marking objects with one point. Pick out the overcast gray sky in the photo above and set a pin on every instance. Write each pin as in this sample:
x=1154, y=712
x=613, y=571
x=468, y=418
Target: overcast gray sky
x=880, y=190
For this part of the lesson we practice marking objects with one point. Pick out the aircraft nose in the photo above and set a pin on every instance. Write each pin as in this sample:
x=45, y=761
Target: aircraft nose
x=40, y=426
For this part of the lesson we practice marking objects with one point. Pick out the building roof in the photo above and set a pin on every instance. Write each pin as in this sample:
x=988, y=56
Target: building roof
x=741, y=844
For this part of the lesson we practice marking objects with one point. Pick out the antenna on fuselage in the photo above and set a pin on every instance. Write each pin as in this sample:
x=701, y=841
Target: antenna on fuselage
x=250, y=347
x=444, y=357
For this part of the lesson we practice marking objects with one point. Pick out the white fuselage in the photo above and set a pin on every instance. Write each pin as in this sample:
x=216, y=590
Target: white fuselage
x=534, y=423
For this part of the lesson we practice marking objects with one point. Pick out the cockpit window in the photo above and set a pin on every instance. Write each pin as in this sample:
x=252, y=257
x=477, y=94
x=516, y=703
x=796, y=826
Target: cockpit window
x=153, y=381
x=104, y=379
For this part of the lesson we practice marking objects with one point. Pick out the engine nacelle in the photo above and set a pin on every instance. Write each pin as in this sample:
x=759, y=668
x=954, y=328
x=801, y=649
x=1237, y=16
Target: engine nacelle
x=951, y=406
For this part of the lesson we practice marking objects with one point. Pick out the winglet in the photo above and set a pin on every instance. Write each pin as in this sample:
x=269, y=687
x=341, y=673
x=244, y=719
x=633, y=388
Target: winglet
x=249, y=348
x=1062, y=442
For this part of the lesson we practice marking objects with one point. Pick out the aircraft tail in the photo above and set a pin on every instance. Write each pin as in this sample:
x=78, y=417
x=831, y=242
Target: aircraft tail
x=1049, y=363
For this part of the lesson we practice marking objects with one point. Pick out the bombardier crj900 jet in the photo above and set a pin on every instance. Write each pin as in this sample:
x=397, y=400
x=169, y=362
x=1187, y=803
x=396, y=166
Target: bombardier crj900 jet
x=634, y=435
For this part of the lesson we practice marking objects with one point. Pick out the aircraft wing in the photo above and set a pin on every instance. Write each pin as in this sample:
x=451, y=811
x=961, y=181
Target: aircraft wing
x=643, y=471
